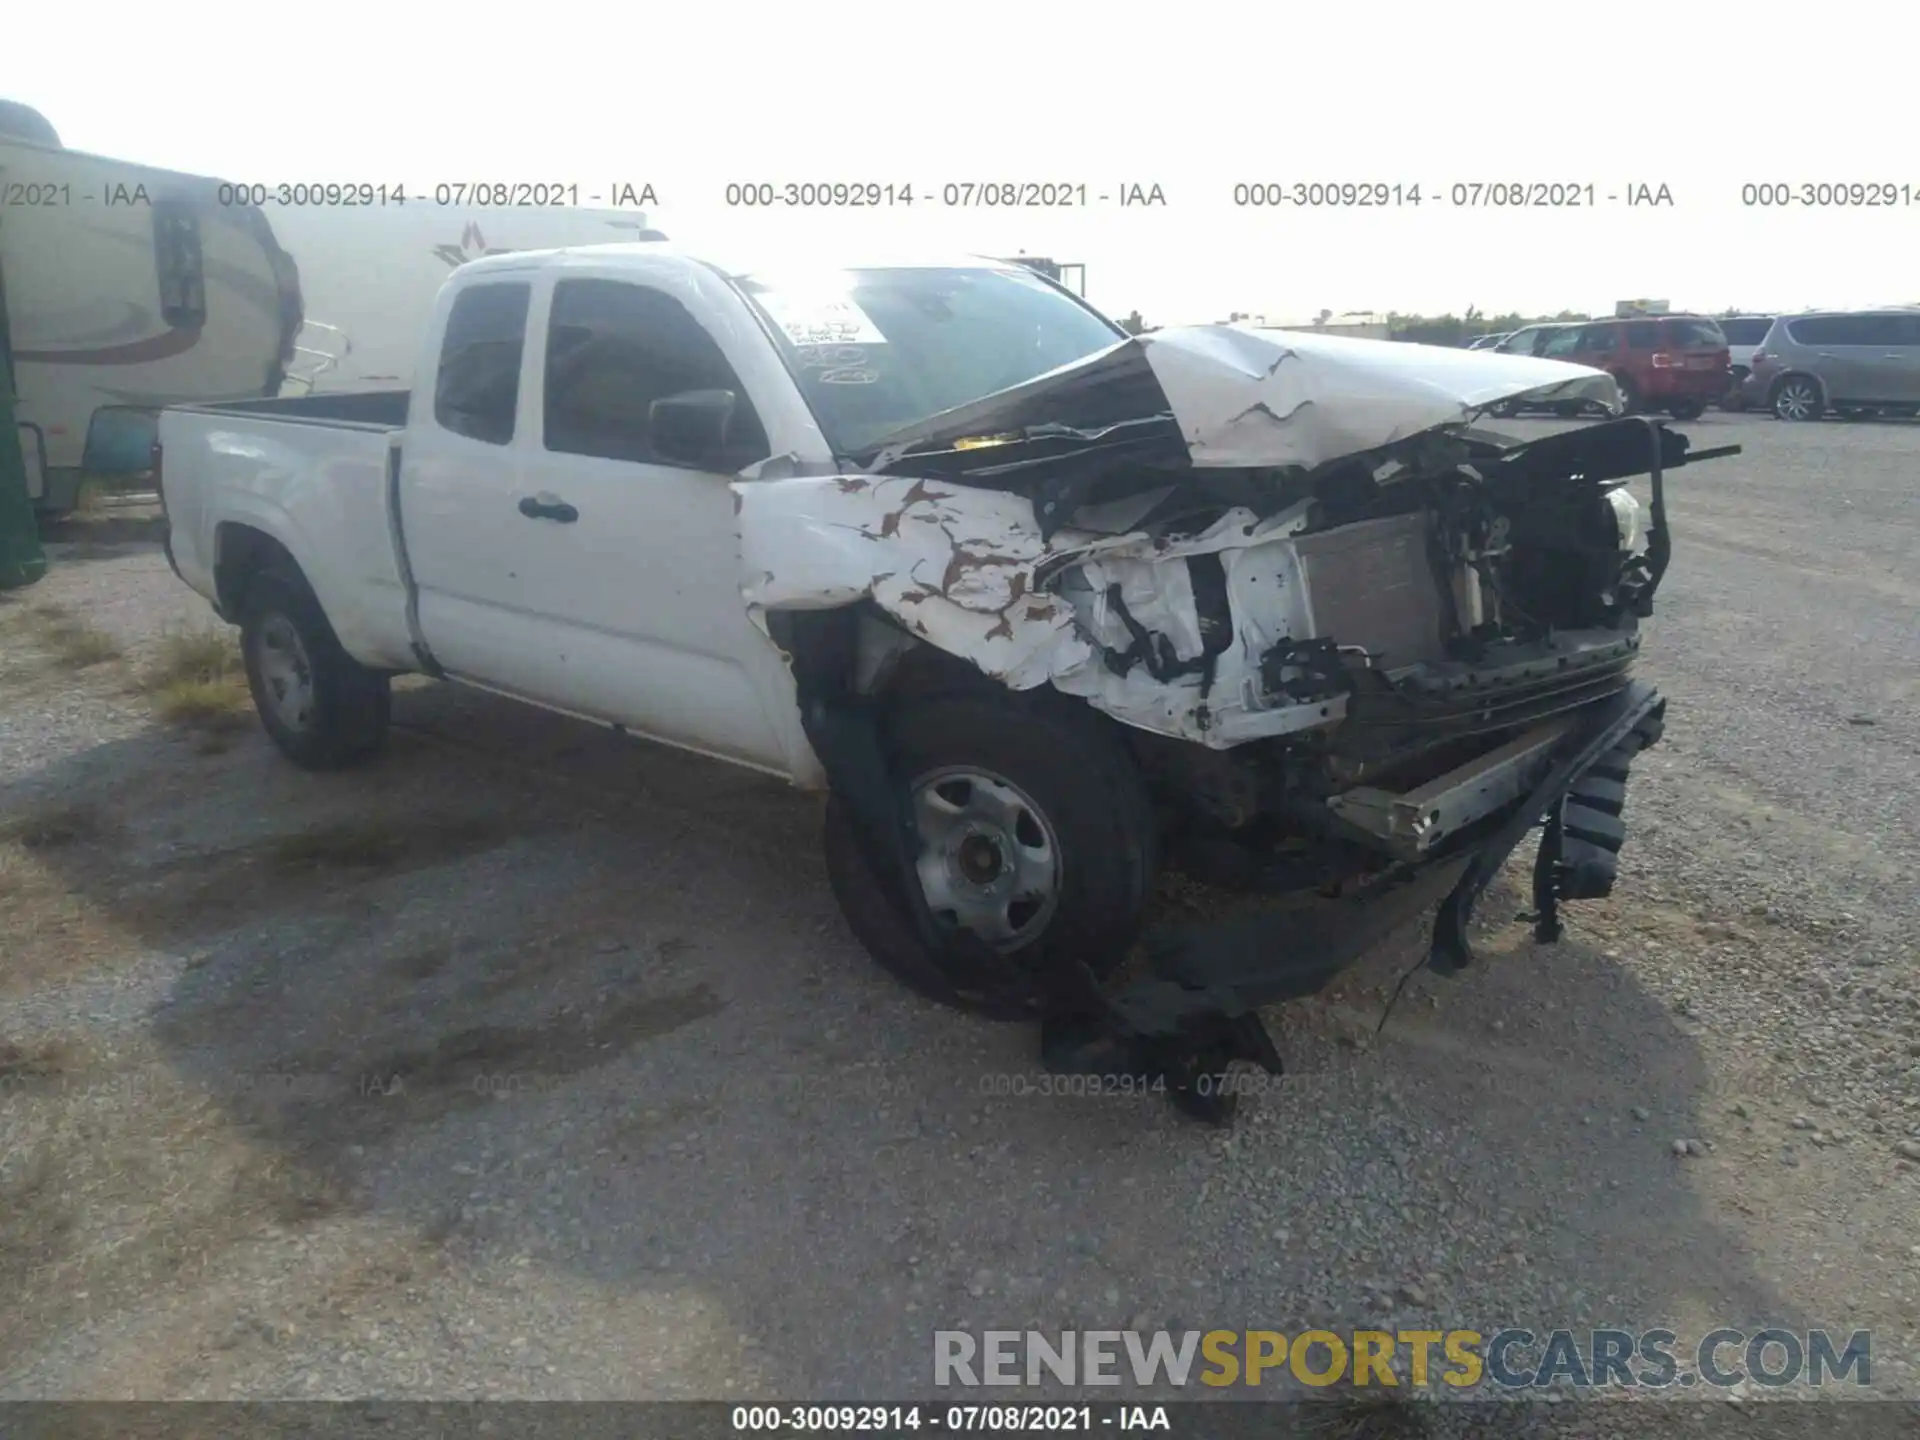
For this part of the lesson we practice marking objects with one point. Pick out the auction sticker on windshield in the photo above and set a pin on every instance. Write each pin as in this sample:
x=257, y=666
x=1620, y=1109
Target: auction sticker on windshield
x=822, y=321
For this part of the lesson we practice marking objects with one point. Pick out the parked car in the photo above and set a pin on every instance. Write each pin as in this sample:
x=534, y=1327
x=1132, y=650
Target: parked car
x=1033, y=601
x=1675, y=363
x=1487, y=342
x=1531, y=340
x=1844, y=362
x=1744, y=334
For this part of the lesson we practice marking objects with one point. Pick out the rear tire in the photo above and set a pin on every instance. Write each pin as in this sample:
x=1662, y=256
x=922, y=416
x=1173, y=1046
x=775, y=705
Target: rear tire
x=1075, y=789
x=1797, y=399
x=320, y=706
x=1687, y=410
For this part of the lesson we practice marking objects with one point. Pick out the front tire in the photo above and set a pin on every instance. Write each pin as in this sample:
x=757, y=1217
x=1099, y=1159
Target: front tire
x=321, y=707
x=1037, y=836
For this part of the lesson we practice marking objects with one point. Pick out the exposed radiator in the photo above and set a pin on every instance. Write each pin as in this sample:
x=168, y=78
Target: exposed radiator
x=1372, y=584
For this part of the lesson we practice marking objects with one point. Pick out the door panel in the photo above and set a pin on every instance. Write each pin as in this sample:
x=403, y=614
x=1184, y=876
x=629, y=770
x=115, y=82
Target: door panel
x=460, y=474
x=609, y=578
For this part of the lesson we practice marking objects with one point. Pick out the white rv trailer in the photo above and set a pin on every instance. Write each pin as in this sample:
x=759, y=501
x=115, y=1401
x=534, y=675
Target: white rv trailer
x=127, y=289
x=369, y=276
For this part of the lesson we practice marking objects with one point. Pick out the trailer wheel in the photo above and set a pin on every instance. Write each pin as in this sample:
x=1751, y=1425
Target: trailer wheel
x=322, y=708
x=1037, y=836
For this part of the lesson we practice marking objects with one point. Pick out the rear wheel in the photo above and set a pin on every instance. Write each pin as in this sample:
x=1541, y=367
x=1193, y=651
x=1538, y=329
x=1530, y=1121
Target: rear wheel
x=1797, y=399
x=317, y=703
x=1036, y=835
x=1686, y=409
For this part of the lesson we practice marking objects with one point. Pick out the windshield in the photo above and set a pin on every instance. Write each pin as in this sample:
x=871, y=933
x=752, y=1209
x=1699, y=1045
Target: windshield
x=876, y=350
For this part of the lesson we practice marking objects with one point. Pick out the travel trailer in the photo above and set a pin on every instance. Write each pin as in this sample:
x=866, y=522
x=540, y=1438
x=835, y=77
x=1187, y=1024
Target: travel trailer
x=369, y=276
x=127, y=288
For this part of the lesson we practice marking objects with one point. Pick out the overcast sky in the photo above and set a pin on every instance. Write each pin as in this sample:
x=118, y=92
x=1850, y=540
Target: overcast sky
x=1700, y=99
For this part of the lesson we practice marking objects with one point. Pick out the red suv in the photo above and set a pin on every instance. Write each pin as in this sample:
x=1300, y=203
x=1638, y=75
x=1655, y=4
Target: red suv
x=1675, y=363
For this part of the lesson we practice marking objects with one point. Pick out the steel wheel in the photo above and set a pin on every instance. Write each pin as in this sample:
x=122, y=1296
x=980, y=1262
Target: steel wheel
x=286, y=672
x=991, y=861
x=1797, y=399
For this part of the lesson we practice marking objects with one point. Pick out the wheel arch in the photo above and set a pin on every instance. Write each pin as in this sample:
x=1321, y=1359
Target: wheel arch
x=1818, y=381
x=240, y=552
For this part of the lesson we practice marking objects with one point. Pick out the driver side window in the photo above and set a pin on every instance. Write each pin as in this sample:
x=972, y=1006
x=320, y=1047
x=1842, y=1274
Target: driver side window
x=613, y=348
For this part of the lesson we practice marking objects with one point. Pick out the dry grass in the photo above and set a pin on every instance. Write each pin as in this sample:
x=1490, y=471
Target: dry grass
x=70, y=642
x=50, y=930
x=126, y=1181
x=196, y=679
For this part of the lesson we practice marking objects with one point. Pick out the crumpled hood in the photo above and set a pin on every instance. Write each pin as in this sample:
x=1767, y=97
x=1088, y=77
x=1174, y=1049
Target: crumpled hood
x=1246, y=396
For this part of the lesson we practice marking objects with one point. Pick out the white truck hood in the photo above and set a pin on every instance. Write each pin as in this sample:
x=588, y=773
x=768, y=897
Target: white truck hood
x=1250, y=396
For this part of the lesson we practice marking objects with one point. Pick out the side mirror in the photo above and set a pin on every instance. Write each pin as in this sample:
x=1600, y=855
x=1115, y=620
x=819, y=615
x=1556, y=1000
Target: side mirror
x=692, y=427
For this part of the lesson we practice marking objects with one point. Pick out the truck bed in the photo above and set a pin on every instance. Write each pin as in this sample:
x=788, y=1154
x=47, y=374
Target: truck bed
x=314, y=474
x=369, y=409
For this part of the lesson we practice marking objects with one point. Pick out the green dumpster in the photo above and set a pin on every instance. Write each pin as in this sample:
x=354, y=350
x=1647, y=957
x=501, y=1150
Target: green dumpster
x=22, y=561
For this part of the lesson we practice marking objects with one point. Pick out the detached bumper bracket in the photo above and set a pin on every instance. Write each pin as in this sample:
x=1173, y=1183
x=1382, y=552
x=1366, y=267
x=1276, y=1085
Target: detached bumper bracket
x=1579, y=801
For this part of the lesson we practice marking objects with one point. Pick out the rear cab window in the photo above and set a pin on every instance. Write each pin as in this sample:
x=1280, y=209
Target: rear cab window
x=1693, y=333
x=477, y=388
x=1643, y=335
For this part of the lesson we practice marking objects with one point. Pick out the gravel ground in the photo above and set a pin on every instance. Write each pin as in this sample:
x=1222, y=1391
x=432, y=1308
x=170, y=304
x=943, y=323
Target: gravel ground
x=661, y=1131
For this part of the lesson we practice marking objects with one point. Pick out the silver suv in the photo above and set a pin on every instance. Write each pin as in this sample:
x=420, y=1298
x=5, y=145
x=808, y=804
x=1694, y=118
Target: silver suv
x=1847, y=362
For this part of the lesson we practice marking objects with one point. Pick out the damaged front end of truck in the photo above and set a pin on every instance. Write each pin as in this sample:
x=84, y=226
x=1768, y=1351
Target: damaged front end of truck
x=1359, y=649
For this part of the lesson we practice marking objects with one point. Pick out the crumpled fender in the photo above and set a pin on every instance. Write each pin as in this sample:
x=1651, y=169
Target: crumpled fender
x=961, y=567
x=954, y=564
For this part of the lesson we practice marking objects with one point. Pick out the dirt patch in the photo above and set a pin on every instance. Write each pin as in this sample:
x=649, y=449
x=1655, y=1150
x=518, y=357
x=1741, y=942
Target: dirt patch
x=421, y=1083
x=55, y=827
x=202, y=894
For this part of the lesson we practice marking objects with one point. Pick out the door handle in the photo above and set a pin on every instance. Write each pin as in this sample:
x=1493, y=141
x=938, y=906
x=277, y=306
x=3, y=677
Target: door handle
x=548, y=507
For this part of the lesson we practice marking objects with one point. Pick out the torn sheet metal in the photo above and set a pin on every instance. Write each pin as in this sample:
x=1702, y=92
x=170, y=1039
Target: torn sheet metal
x=1256, y=397
x=963, y=569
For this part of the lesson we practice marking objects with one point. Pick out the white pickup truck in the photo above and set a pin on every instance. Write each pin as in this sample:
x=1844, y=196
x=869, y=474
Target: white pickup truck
x=1037, y=602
